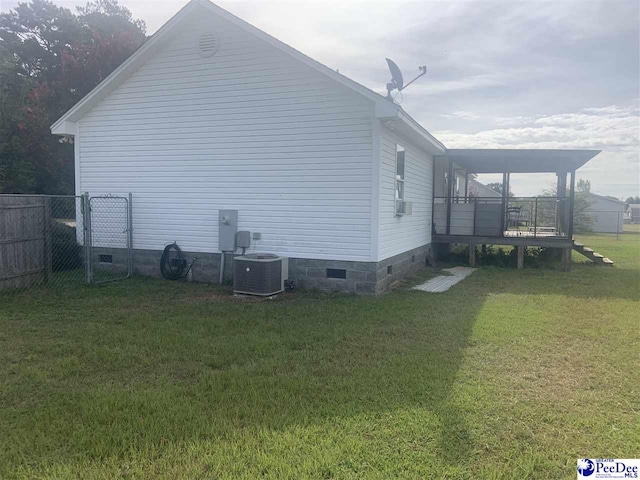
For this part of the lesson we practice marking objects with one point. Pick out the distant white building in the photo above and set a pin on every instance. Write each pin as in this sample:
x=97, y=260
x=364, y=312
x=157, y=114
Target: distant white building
x=607, y=214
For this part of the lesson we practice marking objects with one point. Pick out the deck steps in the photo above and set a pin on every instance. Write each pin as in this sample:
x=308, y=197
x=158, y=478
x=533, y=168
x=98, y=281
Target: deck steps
x=595, y=257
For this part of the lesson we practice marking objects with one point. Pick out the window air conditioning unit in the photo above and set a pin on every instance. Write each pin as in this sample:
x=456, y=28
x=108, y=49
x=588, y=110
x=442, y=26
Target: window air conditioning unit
x=260, y=274
x=403, y=207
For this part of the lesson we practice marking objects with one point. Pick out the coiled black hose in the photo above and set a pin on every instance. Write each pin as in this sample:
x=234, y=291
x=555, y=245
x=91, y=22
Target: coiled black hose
x=172, y=267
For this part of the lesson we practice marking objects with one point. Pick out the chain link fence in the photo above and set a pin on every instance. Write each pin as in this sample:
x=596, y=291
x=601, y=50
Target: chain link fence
x=109, y=239
x=64, y=240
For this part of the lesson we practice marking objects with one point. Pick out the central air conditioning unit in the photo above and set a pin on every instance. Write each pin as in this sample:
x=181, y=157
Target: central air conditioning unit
x=260, y=274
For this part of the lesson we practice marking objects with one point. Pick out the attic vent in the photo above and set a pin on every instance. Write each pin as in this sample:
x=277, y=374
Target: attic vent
x=208, y=44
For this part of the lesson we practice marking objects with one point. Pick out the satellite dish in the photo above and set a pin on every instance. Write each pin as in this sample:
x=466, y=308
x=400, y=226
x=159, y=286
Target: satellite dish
x=396, y=75
x=397, y=81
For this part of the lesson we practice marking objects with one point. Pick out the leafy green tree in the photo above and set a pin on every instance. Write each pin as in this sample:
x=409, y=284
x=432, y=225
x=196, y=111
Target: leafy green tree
x=497, y=187
x=632, y=200
x=49, y=59
x=16, y=171
x=583, y=186
x=582, y=220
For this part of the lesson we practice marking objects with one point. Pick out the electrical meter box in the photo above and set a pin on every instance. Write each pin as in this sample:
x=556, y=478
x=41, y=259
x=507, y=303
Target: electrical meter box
x=243, y=239
x=227, y=229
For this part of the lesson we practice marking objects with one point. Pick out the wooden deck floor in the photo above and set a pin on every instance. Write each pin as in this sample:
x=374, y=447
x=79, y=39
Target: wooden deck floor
x=530, y=234
x=510, y=237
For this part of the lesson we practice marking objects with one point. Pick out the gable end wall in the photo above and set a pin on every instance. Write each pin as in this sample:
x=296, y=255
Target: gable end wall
x=250, y=129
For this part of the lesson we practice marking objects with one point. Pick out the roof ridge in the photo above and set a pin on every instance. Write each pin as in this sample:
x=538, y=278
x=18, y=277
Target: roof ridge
x=604, y=197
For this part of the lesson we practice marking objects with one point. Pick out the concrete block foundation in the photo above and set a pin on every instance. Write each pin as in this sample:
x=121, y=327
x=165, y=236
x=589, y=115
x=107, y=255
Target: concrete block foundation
x=368, y=278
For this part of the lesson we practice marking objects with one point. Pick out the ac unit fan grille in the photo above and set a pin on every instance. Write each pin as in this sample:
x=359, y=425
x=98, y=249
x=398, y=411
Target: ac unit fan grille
x=258, y=278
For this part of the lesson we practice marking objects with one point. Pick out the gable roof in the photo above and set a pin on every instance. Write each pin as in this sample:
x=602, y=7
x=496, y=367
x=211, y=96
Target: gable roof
x=602, y=197
x=384, y=109
x=481, y=187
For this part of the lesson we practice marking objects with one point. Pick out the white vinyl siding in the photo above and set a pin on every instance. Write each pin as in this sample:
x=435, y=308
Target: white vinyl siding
x=397, y=234
x=250, y=129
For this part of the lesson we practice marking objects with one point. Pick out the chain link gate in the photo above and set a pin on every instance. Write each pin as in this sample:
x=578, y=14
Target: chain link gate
x=109, y=239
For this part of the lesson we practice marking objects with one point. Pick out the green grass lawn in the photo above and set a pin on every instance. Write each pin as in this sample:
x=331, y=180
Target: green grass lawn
x=632, y=228
x=511, y=374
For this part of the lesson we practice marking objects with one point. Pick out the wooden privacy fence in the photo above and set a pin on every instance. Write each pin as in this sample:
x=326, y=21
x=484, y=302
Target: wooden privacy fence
x=25, y=239
x=64, y=240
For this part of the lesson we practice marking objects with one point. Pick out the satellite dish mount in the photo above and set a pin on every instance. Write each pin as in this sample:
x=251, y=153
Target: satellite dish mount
x=397, y=81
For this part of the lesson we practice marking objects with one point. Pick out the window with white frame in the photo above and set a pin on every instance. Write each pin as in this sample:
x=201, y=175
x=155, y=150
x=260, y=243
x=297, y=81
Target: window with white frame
x=400, y=167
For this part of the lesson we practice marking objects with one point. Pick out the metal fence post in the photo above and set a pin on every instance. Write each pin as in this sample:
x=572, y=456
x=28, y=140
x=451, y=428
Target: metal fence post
x=86, y=226
x=535, y=219
x=48, y=253
x=475, y=215
x=130, y=233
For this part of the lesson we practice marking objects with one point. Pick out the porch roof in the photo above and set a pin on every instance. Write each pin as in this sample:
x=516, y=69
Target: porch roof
x=476, y=160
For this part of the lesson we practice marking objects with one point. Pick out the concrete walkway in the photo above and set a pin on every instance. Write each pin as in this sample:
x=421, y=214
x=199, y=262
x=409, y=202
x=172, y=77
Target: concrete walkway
x=445, y=282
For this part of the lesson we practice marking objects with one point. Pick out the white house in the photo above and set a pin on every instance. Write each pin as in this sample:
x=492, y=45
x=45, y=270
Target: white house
x=212, y=113
x=607, y=213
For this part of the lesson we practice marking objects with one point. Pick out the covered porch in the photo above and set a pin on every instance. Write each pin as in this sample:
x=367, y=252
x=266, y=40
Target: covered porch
x=544, y=221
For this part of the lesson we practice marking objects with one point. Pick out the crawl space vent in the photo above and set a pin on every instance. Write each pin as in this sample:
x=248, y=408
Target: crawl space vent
x=208, y=44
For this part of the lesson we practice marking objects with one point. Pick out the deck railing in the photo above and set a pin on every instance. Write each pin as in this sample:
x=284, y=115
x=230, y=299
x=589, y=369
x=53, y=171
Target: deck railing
x=498, y=217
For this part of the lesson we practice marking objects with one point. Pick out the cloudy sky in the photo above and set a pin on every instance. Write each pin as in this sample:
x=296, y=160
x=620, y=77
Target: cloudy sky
x=516, y=74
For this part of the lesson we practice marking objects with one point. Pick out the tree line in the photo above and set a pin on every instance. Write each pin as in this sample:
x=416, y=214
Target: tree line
x=51, y=57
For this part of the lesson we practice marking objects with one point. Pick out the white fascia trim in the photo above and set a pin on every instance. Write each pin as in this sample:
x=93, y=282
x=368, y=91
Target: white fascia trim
x=151, y=45
x=64, y=127
x=383, y=107
x=392, y=112
x=419, y=129
x=76, y=160
x=346, y=81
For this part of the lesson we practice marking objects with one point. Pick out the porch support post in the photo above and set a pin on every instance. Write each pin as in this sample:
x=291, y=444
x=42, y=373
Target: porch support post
x=561, y=209
x=504, y=203
x=472, y=254
x=450, y=183
x=520, y=257
x=466, y=184
x=572, y=199
x=566, y=259
x=508, y=187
